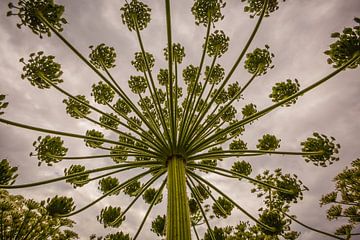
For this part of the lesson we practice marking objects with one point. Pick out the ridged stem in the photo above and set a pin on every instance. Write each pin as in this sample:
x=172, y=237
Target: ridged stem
x=178, y=213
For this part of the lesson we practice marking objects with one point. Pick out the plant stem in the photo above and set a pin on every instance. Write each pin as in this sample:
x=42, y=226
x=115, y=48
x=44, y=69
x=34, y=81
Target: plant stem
x=311, y=228
x=178, y=212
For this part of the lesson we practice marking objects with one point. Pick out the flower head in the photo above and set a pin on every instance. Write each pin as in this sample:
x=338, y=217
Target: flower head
x=259, y=61
x=255, y=7
x=94, y=143
x=76, y=181
x=218, y=44
x=59, y=205
x=107, y=184
x=135, y=15
x=108, y=215
x=31, y=13
x=76, y=109
x=102, y=56
x=322, y=143
x=206, y=11
x=7, y=173
x=346, y=47
x=178, y=53
x=283, y=90
x=41, y=69
x=49, y=149
x=102, y=93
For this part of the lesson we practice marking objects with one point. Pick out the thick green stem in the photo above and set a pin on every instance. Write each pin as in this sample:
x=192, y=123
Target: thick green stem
x=178, y=213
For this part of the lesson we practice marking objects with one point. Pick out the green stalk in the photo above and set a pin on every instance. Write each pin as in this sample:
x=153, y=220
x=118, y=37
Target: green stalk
x=239, y=175
x=72, y=135
x=178, y=213
x=70, y=176
x=276, y=105
x=155, y=94
x=238, y=153
x=200, y=179
x=149, y=209
x=185, y=120
x=129, y=154
x=311, y=228
x=193, y=111
x=170, y=70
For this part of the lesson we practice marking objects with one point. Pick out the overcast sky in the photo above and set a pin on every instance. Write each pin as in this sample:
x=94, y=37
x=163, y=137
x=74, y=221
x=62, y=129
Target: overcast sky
x=298, y=34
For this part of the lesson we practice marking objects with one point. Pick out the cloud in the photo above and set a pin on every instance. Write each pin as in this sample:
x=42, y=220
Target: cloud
x=297, y=33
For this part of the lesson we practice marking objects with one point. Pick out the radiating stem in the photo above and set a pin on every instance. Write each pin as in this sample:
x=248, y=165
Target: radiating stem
x=311, y=228
x=75, y=175
x=239, y=153
x=238, y=175
x=237, y=62
x=185, y=120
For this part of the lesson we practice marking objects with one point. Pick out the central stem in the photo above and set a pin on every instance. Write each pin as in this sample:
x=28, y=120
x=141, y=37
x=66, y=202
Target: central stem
x=178, y=214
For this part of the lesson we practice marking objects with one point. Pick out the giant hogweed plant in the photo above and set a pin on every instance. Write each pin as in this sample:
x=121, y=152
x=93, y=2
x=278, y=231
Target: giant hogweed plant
x=177, y=125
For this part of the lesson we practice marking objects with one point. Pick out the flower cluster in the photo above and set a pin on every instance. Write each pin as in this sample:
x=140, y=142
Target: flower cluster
x=135, y=15
x=255, y=7
x=242, y=167
x=217, y=74
x=259, y=61
x=108, y=215
x=103, y=93
x=110, y=120
x=139, y=61
x=178, y=52
x=158, y=226
x=41, y=71
x=59, y=205
x=78, y=181
x=137, y=84
x=218, y=44
x=326, y=146
x=222, y=207
x=102, y=56
x=49, y=149
x=283, y=90
x=32, y=12
x=346, y=47
x=75, y=108
x=207, y=11
x=149, y=196
x=108, y=184
x=268, y=142
x=7, y=173
x=94, y=134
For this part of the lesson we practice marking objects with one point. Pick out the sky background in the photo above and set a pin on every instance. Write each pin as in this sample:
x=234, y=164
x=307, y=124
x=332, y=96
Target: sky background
x=298, y=34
